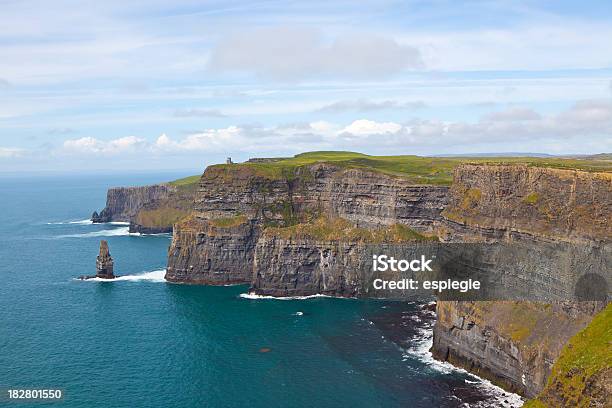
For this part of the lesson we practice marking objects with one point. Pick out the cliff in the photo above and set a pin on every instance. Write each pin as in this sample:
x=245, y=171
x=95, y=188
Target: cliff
x=546, y=202
x=265, y=198
x=307, y=225
x=582, y=375
x=149, y=209
x=329, y=257
x=556, y=222
x=123, y=203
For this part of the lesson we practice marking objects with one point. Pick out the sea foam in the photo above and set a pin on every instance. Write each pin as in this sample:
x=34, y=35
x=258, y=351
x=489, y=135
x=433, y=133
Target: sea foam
x=102, y=233
x=153, y=276
x=80, y=222
x=253, y=296
x=422, y=344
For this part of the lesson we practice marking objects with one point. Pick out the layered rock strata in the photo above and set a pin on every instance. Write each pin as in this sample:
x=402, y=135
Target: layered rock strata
x=148, y=209
x=228, y=193
x=556, y=223
x=123, y=203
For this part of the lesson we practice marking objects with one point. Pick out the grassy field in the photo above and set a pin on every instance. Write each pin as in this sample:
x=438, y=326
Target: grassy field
x=420, y=170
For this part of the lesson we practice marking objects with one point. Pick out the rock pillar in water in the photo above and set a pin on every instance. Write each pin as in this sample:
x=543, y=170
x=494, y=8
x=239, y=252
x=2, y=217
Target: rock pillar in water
x=104, y=262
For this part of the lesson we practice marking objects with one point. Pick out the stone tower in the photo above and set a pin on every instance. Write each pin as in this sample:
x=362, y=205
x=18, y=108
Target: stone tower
x=104, y=262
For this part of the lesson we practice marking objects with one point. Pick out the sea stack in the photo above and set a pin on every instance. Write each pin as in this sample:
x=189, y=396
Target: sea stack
x=104, y=262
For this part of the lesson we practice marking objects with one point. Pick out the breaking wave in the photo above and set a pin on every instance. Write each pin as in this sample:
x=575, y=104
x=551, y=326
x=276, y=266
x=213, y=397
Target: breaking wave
x=422, y=343
x=253, y=296
x=102, y=233
x=153, y=276
x=80, y=222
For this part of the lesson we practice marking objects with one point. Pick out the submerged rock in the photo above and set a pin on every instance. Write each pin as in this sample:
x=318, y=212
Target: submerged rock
x=104, y=262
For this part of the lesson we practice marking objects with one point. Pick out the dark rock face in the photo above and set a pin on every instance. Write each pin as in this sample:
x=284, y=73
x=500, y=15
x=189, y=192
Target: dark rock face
x=123, y=203
x=104, y=262
x=202, y=253
x=365, y=197
x=136, y=228
x=306, y=266
x=552, y=203
x=557, y=224
x=514, y=344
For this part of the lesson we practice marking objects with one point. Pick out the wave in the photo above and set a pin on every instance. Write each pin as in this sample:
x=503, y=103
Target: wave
x=422, y=344
x=118, y=223
x=153, y=276
x=253, y=296
x=80, y=222
x=102, y=233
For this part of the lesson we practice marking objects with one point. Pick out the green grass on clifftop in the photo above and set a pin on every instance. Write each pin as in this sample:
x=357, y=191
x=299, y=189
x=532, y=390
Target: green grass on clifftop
x=186, y=181
x=420, y=170
x=586, y=360
x=339, y=229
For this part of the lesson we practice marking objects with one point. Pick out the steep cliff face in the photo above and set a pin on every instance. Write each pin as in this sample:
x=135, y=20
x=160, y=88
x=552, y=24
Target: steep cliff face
x=123, y=203
x=554, y=203
x=149, y=209
x=205, y=253
x=359, y=195
x=301, y=195
x=582, y=375
x=556, y=223
x=330, y=257
x=514, y=344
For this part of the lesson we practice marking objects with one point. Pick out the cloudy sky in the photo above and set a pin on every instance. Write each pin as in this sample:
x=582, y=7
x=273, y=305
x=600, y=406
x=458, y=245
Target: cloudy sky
x=124, y=85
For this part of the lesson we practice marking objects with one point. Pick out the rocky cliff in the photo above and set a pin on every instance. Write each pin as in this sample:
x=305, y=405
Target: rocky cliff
x=556, y=222
x=149, y=209
x=582, y=375
x=261, y=200
x=123, y=203
x=542, y=202
x=304, y=229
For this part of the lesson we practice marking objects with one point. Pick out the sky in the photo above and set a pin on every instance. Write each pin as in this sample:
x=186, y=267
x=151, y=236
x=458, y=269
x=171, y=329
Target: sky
x=158, y=85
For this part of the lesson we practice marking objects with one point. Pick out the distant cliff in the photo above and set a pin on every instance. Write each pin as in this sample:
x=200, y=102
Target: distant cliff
x=149, y=209
x=123, y=203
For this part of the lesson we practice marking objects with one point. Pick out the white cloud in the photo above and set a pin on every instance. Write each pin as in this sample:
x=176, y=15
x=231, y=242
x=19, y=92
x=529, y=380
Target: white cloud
x=11, y=152
x=293, y=54
x=363, y=127
x=585, y=127
x=91, y=145
x=208, y=140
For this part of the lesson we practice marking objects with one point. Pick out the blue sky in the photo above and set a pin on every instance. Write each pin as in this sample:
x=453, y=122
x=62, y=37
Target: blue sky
x=126, y=85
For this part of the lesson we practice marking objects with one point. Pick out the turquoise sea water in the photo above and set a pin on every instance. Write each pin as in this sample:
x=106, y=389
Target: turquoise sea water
x=141, y=342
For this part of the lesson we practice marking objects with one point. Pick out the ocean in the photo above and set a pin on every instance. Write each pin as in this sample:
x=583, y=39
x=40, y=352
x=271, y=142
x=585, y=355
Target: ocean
x=139, y=341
